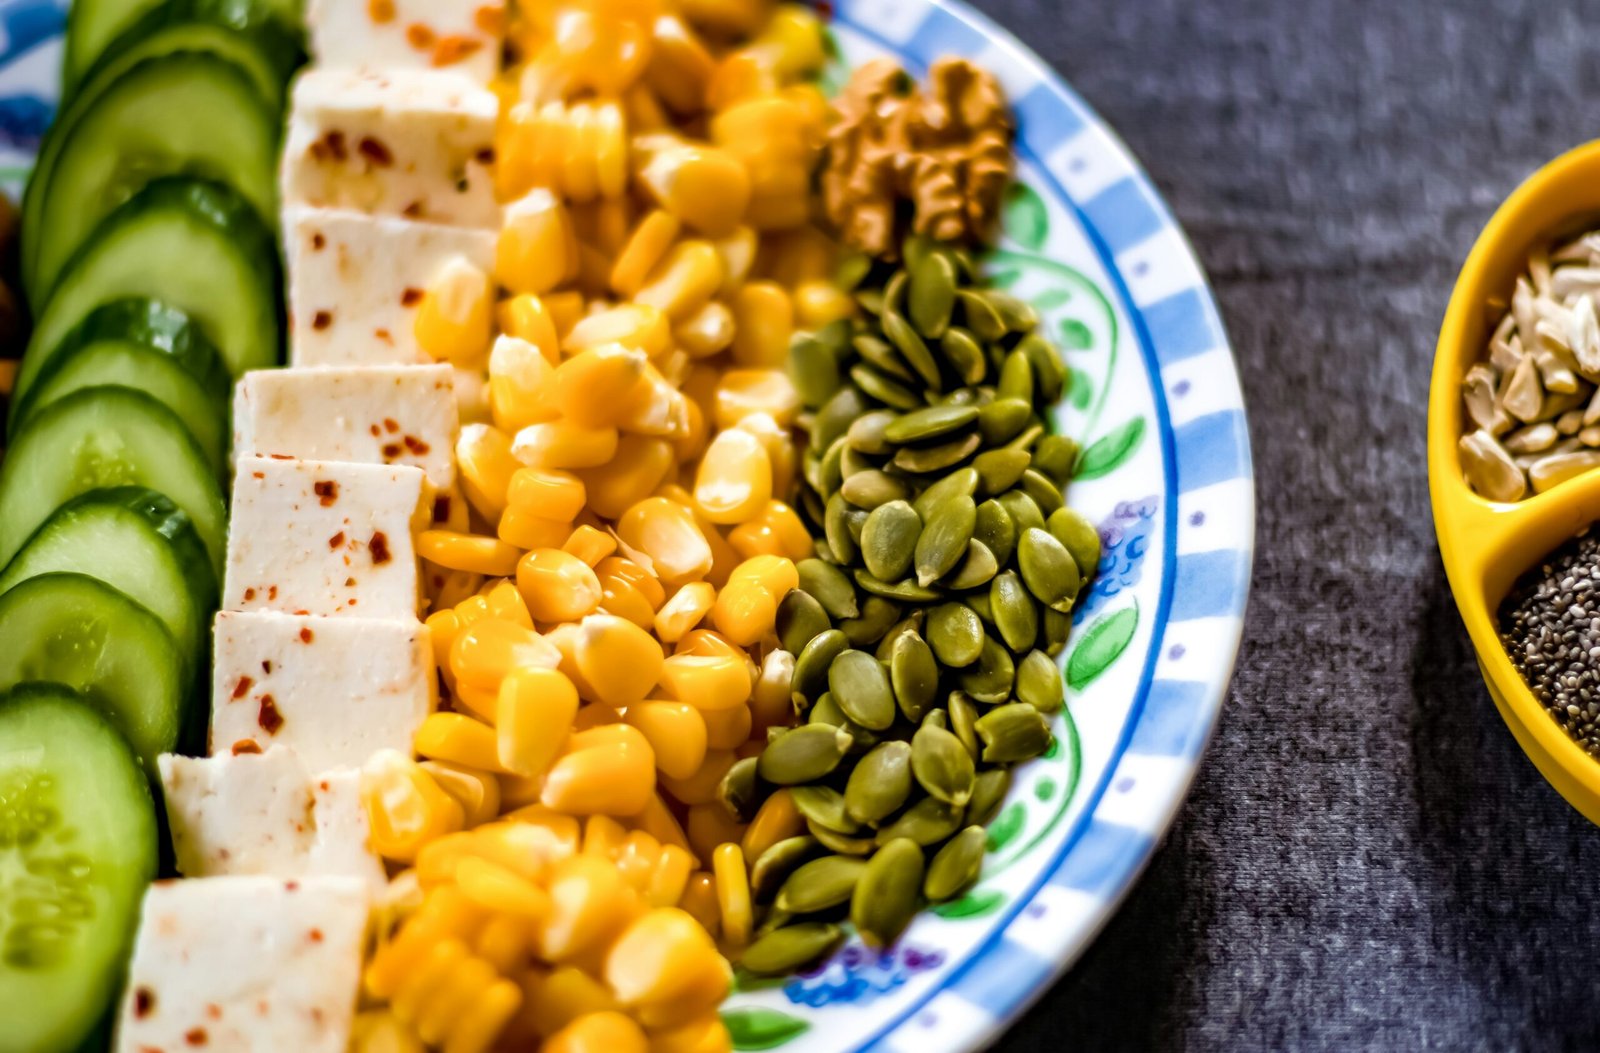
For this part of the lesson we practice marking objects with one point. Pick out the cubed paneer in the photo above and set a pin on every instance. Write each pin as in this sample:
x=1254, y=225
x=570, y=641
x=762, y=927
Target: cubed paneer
x=263, y=813
x=405, y=143
x=363, y=414
x=335, y=690
x=245, y=964
x=324, y=537
x=355, y=282
x=461, y=36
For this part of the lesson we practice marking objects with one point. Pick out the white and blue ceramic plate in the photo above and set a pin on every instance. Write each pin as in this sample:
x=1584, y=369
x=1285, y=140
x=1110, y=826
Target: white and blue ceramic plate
x=1166, y=473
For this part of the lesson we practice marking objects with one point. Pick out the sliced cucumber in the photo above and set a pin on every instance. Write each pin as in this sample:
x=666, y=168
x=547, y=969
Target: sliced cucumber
x=103, y=437
x=78, y=847
x=193, y=245
x=185, y=114
x=93, y=26
x=139, y=543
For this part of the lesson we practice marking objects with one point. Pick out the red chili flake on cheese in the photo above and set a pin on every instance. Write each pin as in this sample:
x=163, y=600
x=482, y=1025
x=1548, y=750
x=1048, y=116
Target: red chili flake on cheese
x=380, y=11
x=291, y=886
x=196, y=1036
x=391, y=425
x=242, y=688
x=485, y=156
x=453, y=49
x=319, y=241
x=416, y=445
x=336, y=540
x=213, y=1011
x=376, y=431
x=266, y=666
x=272, y=592
x=413, y=210
x=281, y=456
x=244, y=746
x=306, y=636
x=315, y=935
x=491, y=18
x=420, y=36
x=349, y=583
x=384, y=335
x=249, y=594
x=441, y=508
x=375, y=151
x=144, y=1000
x=327, y=490
x=321, y=320
x=391, y=450
x=410, y=297
x=379, y=546
x=268, y=717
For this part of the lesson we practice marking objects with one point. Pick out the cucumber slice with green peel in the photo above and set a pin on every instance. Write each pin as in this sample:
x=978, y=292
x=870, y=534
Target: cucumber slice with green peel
x=139, y=543
x=93, y=26
x=104, y=437
x=150, y=347
x=72, y=629
x=187, y=114
x=78, y=847
x=195, y=246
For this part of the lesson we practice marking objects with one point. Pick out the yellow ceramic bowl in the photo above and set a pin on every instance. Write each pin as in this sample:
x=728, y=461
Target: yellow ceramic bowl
x=1487, y=545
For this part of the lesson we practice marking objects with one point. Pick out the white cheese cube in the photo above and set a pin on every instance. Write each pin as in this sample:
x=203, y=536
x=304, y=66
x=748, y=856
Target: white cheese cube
x=324, y=537
x=355, y=282
x=245, y=964
x=363, y=414
x=263, y=813
x=335, y=690
x=461, y=36
x=406, y=143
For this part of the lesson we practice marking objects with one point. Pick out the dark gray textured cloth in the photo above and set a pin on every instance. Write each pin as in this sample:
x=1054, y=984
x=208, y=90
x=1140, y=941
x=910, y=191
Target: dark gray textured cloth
x=1367, y=860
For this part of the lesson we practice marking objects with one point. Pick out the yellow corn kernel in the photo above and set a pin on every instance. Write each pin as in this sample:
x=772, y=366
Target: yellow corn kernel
x=589, y=905
x=819, y=301
x=454, y=321
x=565, y=308
x=612, y=775
x=745, y=612
x=710, y=826
x=474, y=608
x=632, y=325
x=526, y=318
x=638, y=468
x=733, y=893
x=676, y=732
x=709, y=331
x=469, y=552
x=603, y=837
x=773, y=533
x=738, y=252
x=477, y=792
x=533, y=252
x=405, y=808
x=644, y=249
x=484, y=653
x=776, y=820
x=700, y=902
x=431, y=977
x=524, y=530
x=565, y=638
x=542, y=834
x=710, y=683
x=608, y=1032
x=660, y=410
x=686, y=609
x=634, y=574
x=703, y=1034
x=483, y=454
x=734, y=480
x=636, y=859
x=771, y=703
x=564, y=444
x=776, y=574
x=709, y=642
x=746, y=391
x=556, y=999
x=667, y=533
x=701, y=787
x=506, y=602
x=661, y=959
x=590, y=545
x=738, y=77
x=490, y=1013
x=727, y=729
x=791, y=43
x=521, y=385
x=443, y=627
x=458, y=739
x=476, y=701
x=783, y=210
x=504, y=943
x=658, y=821
x=619, y=661
x=779, y=443
x=536, y=709
x=669, y=878
x=557, y=586
x=702, y=186
x=379, y=1031
x=604, y=224
x=764, y=317
x=684, y=281
x=443, y=913
x=546, y=492
x=500, y=890
x=680, y=66
x=625, y=601
x=599, y=384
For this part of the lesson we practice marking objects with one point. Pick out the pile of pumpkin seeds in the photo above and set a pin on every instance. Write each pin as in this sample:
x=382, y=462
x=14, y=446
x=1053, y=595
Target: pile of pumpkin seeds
x=1533, y=405
x=924, y=633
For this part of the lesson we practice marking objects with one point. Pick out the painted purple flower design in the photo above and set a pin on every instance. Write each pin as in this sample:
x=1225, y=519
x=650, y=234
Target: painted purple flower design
x=1124, y=539
x=860, y=975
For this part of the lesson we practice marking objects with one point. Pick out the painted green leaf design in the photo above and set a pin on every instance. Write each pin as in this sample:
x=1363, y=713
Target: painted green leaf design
x=1005, y=278
x=1045, y=789
x=972, y=905
x=1101, y=645
x=757, y=1027
x=1106, y=454
x=1006, y=826
x=1073, y=335
x=1051, y=299
x=1080, y=391
x=1024, y=217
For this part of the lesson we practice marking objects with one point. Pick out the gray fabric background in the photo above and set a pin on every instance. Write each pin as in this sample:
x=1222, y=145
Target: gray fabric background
x=1367, y=860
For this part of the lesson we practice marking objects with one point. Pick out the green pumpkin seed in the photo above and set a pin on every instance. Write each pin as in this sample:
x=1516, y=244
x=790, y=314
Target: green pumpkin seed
x=1045, y=494
x=1015, y=615
x=989, y=791
x=963, y=716
x=907, y=590
x=942, y=765
x=877, y=616
x=867, y=433
x=880, y=783
x=944, y=538
x=913, y=674
x=836, y=416
x=801, y=619
x=820, y=884
x=870, y=300
x=860, y=684
x=889, y=540
x=1022, y=510
x=938, y=718
x=811, y=664
x=1003, y=420
x=894, y=292
x=980, y=315
x=964, y=397
x=912, y=347
x=882, y=388
x=830, y=586
x=1056, y=456
x=1016, y=378
x=931, y=423
x=814, y=369
x=931, y=295
x=927, y=822
x=811, y=506
x=824, y=806
x=911, y=624
x=882, y=355
x=964, y=355
x=1057, y=627
x=1026, y=438
x=990, y=679
x=830, y=471
x=784, y=950
x=836, y=528
x=827, y=711
x=956, y=866
x=872, y=488
x=1039, y=683
x=844, y=844
x=1011, y=733
x=1079, y=537
x=915, y=247
x=921, y=460
x=977, y=568
x=885, y=898
x=1017, y=315
x=995, y=531
x=1049, y=372
x=851, y=460
x=955, y=634
x=852, y=270
x=739, y=791
x=963, y=482
x=999, y=470
x=1048, y=569
x=773, y=920
x=804, y=754
x=770, y=869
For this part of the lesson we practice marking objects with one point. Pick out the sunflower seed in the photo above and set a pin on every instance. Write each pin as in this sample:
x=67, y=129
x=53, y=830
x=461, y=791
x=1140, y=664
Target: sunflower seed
x=880, y=783
x=885, y=897
x=860, y=685
x=914, y=675
x=944, y=538
x=956, y=866
x=784, y=950
x=1039, y=683
x=1048, y=569
x=803, y=754
x=820, y=884
x=1011, y=733
x=955, y=634
x=829, y=586
x=942, y=765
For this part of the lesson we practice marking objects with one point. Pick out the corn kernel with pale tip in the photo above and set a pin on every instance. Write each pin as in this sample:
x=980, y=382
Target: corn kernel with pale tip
x=677, y=733
x=668, y=533
x=557, y=586
x=536, y=709
x=734, y=479
x=455, y=320
x=619, y=661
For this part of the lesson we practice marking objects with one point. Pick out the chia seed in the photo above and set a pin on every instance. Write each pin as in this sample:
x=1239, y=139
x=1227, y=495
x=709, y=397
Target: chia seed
x=1552, y=636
